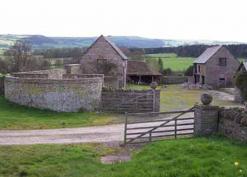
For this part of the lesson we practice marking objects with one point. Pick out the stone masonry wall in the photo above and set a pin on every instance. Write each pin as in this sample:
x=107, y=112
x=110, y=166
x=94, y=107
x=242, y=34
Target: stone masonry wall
x=233, y=123
x=67, y=95
x=130, y=101
x=52, y=74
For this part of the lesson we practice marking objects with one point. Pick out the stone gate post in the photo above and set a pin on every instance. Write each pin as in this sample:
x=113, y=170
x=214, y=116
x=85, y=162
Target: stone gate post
x=206, y=117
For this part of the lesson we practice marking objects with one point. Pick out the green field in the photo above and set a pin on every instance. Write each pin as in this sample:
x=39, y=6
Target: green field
x=172, y=61
x=197, y=157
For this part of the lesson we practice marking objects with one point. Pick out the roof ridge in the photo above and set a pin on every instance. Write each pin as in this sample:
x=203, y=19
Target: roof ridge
x=113, y=45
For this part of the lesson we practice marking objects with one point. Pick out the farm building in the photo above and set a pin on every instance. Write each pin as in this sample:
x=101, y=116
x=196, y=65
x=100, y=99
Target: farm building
x=140, y=72
x=104, y=57
x=216, y=67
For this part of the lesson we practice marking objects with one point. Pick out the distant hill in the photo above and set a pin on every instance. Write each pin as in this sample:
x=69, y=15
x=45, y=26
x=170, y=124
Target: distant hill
x=42, y=42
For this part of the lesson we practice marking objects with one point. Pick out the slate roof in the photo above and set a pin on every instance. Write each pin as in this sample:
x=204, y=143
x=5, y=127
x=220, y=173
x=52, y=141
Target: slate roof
x=140, y=68
x=207, y=54
x=245, y=65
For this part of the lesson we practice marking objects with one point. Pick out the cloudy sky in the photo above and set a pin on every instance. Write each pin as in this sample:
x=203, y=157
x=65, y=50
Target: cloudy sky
x=224, y=20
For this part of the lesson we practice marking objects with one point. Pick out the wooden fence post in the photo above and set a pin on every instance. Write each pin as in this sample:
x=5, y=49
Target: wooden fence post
x=125, y=127
x=176, y=128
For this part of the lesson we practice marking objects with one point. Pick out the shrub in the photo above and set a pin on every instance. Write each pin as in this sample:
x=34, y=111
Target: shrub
x=189, y=71
x=167, y=71
x=241, y=84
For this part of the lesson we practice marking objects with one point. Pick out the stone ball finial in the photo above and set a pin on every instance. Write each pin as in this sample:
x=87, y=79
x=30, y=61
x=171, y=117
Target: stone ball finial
x=206, y=99
x=154, y=85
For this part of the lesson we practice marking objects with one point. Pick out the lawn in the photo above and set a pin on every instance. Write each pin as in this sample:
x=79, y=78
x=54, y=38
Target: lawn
x=172, y=61
x=175, y=97
x=197, y=157
x=13, y=116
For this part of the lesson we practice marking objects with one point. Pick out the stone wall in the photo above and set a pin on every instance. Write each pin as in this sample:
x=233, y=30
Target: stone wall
x=52, y=74
x=231, y=122
x=1, y=85
x=174, y=79
x=73, y=69
x=67, y=95
x=130, y=101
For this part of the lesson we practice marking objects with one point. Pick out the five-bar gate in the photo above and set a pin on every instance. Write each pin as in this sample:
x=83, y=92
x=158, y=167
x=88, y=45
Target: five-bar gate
x=153, y=126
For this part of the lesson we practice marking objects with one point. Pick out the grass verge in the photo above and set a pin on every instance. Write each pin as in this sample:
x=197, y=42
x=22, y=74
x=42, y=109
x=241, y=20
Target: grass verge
x=13, y=116
x=197, y=157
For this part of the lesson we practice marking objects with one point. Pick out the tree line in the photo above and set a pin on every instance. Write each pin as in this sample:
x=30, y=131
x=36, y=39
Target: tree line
x=238, y=50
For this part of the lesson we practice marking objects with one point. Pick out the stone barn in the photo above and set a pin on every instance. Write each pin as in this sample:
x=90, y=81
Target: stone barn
x=104, y=57
x=215, y=67
x=141, y=72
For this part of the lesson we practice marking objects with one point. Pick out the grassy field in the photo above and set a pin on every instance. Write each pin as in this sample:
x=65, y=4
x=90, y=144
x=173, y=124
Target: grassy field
x=13, y=116
x=175, y=97
x=172, y=61
x=197, y=157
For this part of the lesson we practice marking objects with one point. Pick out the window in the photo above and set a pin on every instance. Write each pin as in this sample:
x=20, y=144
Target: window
x=222, y=61
x=199, y=68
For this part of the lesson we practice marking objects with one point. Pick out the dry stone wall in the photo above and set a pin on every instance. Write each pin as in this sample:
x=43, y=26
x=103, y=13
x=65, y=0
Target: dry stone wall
x=130, y=101
x=231, y=122
x=67, y=95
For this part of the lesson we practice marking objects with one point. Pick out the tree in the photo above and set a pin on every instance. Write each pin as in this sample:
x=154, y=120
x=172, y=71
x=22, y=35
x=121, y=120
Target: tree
x=189, y=71
x=160, y=65
x=241, y=84
x=20, y=56
x=167, y=71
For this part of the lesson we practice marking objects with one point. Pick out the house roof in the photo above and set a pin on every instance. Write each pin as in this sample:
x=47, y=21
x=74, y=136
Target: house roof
x=140, y=68
x=123, y=56
x=245, y=65
x=207, y=54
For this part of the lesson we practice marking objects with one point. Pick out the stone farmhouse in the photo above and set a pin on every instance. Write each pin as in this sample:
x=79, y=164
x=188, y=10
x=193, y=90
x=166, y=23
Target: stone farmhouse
x=215, y=67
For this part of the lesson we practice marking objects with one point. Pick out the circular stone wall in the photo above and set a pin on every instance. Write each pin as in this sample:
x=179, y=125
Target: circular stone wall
x=67, y=95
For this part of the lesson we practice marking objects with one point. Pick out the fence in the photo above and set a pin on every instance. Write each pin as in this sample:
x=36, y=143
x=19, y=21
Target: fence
x=122, y=101
x=147, y=127
x=174, y=79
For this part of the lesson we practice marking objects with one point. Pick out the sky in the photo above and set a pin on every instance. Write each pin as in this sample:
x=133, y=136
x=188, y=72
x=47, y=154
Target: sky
x=224, y=20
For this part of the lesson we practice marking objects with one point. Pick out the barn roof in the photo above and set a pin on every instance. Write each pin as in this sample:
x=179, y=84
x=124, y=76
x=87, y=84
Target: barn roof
x=122, y=55
x=140, y=68
x=207, y=54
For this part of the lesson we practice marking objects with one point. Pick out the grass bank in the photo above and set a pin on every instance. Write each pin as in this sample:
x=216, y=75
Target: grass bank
x=198, y=157
x=13, y=116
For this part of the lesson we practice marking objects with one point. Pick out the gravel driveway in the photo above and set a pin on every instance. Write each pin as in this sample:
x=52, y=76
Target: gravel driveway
x=108, y=133
x=95, y=134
